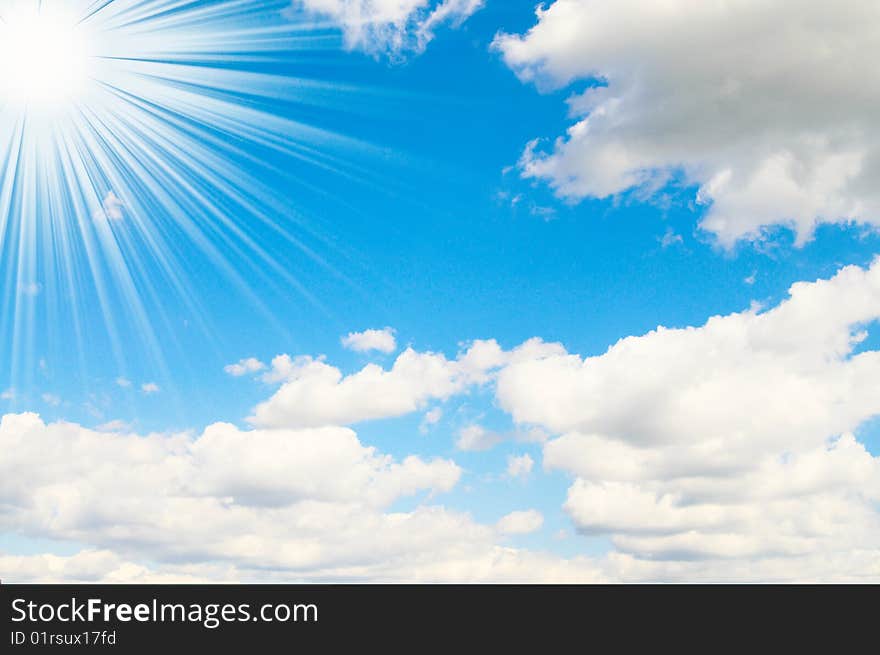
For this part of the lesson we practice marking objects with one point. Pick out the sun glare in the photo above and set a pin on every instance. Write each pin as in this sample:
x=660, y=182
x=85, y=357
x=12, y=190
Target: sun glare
x=43, y=57
x=138, y=137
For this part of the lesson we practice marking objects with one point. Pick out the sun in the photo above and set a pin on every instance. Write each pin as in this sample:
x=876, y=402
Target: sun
x=143, y=144
x=43, y=56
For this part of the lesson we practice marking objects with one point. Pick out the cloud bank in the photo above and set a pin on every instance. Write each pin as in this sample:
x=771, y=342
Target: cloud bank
x=232, y=504
x=768, y=107
x=724, y=451
x=729, y=441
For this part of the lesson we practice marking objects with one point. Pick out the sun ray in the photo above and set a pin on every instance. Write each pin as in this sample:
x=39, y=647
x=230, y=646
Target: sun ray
x=134, y=133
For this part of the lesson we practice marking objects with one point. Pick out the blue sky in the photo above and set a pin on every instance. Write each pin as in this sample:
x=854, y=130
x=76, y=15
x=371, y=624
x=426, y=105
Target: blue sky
x=413, y=211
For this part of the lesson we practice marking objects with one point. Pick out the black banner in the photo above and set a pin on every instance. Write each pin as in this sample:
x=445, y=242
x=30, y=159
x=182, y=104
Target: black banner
x=379, y=618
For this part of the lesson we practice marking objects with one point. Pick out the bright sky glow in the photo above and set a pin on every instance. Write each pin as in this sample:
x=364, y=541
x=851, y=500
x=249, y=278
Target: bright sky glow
x=44, y=56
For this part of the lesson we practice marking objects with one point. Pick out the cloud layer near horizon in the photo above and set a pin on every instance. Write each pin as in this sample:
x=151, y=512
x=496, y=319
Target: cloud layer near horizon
x=722, y=451
x=233, y=504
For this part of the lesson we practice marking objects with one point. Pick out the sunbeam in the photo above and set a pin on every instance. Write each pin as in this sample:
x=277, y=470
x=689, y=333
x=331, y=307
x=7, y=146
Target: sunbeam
x=135, y=138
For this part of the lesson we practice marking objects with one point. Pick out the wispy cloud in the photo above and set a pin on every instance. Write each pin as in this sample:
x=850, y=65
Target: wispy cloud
x=391, y=27
x=245, y=366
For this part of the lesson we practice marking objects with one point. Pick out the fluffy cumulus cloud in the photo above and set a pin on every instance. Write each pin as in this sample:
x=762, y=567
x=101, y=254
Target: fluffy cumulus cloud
x=773, y=378
x=391, y=26
x=768, y=107
x=728, y=442
x=382, y=341
x=314, y=393
x=232, y=504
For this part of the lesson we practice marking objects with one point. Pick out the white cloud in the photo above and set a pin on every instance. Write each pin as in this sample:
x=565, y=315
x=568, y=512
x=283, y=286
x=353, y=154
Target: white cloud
x=245, y=366
x=116, y=425
x=226, y=476
x=729, y=442
x=849, y=565
x=150, y=388
x=241, y=505
x=51, y=399
x=123, y=382
x=8, y=394
x=391, y=26
x=768, y=108
x=670, y=238
x=113, y=206
x=110, y=209
x=431, y=418
x=476, y=438
x=362, y=342
x=725, y=451
x=739, y=374
x=283, y=367
x=524, y=522
x=315, y=393
x=519, y=466
x=494, y=564
x=91, y=566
